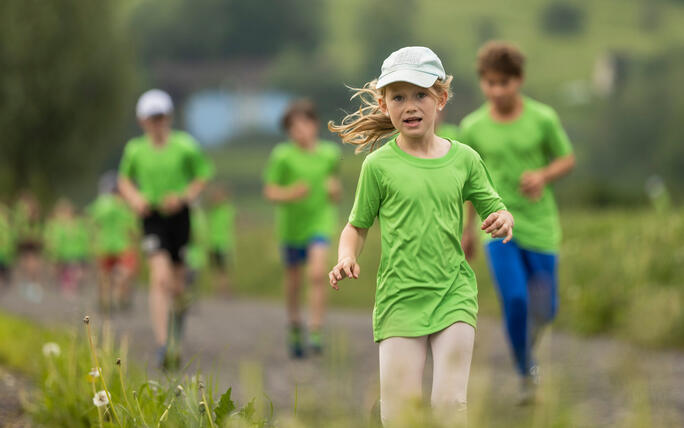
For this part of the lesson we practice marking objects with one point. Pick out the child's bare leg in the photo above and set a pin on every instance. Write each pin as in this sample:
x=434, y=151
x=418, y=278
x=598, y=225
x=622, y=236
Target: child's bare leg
x=318, y=277
x=402, y=361
x=452, y=350
x=293, y=282
x=161, y=279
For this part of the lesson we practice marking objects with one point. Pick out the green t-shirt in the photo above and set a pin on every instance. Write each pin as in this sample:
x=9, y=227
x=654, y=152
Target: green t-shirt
x=300, y=221
x=196, y=253
x=424, y=283
x=222, y=227
x=509, y=149
x=6, y=238
x=448, y=131
x=161, y=171
x=67, y=240
x=114, y=223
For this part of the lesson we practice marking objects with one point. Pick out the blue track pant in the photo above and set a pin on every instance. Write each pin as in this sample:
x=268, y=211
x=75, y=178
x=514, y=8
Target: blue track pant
x=527, y=285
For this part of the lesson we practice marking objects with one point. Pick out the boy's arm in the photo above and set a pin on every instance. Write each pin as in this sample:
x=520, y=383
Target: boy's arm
x=351, y=244
x=532, y=182
x=334, y=186
x=133, y=196
x=279, y=194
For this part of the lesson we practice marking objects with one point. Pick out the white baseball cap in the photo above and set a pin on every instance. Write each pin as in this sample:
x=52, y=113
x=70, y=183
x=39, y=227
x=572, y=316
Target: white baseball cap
x=414, y=64
x=153, y=102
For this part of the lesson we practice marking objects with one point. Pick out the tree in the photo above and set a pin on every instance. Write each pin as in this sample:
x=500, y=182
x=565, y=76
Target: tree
x=67, y=74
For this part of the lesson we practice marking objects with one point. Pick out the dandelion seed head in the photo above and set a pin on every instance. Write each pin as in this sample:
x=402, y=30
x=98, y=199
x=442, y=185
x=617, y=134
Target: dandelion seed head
x=93, y=374
x=100, y=399
x=51, y=349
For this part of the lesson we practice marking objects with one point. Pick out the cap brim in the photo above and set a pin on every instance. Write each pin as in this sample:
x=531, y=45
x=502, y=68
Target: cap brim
x=418, y=78
x=155, y=112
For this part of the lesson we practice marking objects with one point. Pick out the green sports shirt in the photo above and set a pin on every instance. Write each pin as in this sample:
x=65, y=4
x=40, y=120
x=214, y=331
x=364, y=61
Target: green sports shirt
x=222, y=227
x=162, y=171
x=314, y=215
x=67, y=240
x=509, y=149
x=448, y=131
x=114, y=223
x=424, y=283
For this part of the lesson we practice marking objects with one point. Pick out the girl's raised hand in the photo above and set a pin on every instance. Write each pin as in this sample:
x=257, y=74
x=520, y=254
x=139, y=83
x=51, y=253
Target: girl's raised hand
x=500, y=225
x=347, y=267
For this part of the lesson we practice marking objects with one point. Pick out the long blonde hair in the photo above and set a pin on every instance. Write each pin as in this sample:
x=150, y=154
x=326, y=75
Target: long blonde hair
x=367, y=127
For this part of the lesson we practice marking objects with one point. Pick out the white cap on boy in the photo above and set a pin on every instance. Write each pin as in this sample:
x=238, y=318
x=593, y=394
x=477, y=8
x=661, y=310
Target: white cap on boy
x=414, y=64
x=152, y=103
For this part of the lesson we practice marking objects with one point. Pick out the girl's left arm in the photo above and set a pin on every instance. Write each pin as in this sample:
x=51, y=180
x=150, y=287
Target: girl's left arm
x=479, y=190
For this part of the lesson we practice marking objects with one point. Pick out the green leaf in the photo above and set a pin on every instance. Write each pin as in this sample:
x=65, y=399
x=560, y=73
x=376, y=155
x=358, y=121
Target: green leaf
x=248, y=411
x=225, y=406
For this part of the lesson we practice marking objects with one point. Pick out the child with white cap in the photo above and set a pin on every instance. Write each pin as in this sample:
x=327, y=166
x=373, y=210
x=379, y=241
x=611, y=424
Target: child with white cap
x=161, y=173
x=416, y=185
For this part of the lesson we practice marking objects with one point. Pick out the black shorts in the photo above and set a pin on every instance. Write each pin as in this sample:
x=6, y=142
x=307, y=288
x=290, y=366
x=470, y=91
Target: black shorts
x=170, y=233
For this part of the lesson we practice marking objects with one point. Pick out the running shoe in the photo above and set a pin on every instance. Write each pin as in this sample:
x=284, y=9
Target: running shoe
x=528, y=387
x=316, y=342
x=295, y=342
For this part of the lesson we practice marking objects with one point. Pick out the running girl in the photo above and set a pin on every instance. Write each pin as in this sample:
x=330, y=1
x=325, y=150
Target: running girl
x=160, y=174
x=301, y=177
x=415, y=185
x=526, y=149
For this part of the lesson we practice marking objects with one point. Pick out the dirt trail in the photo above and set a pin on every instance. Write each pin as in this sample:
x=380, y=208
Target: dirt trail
x=242, y=343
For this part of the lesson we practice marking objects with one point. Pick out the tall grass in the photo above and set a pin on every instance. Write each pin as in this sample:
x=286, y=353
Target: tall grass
x=65, y=384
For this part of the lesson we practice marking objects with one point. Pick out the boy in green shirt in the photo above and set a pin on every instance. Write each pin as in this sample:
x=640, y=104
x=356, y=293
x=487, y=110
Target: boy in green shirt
x=160, y=174
x=301, y=177
x=222, y=236
x=525, y=148
x=115, y=228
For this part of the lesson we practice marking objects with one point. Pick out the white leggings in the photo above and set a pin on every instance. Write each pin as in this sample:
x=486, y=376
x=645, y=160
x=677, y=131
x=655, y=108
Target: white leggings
x=402, y=362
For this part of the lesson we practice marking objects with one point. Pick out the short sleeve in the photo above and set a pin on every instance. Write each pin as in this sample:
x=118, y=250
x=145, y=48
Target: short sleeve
x=202, y=167
x=127, y=165
x=275, y=168
x=367, y=199
x=557, y=141
x=479, y=189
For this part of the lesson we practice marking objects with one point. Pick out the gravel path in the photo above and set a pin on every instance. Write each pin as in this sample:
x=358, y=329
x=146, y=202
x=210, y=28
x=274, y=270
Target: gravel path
x=241, y=342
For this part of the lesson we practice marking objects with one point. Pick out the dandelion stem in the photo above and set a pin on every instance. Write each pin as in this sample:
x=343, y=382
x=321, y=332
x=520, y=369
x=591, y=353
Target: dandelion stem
x=99, y=410
x=86, y=320
x=206, y=408
x=121, y=379
x=166, y=412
